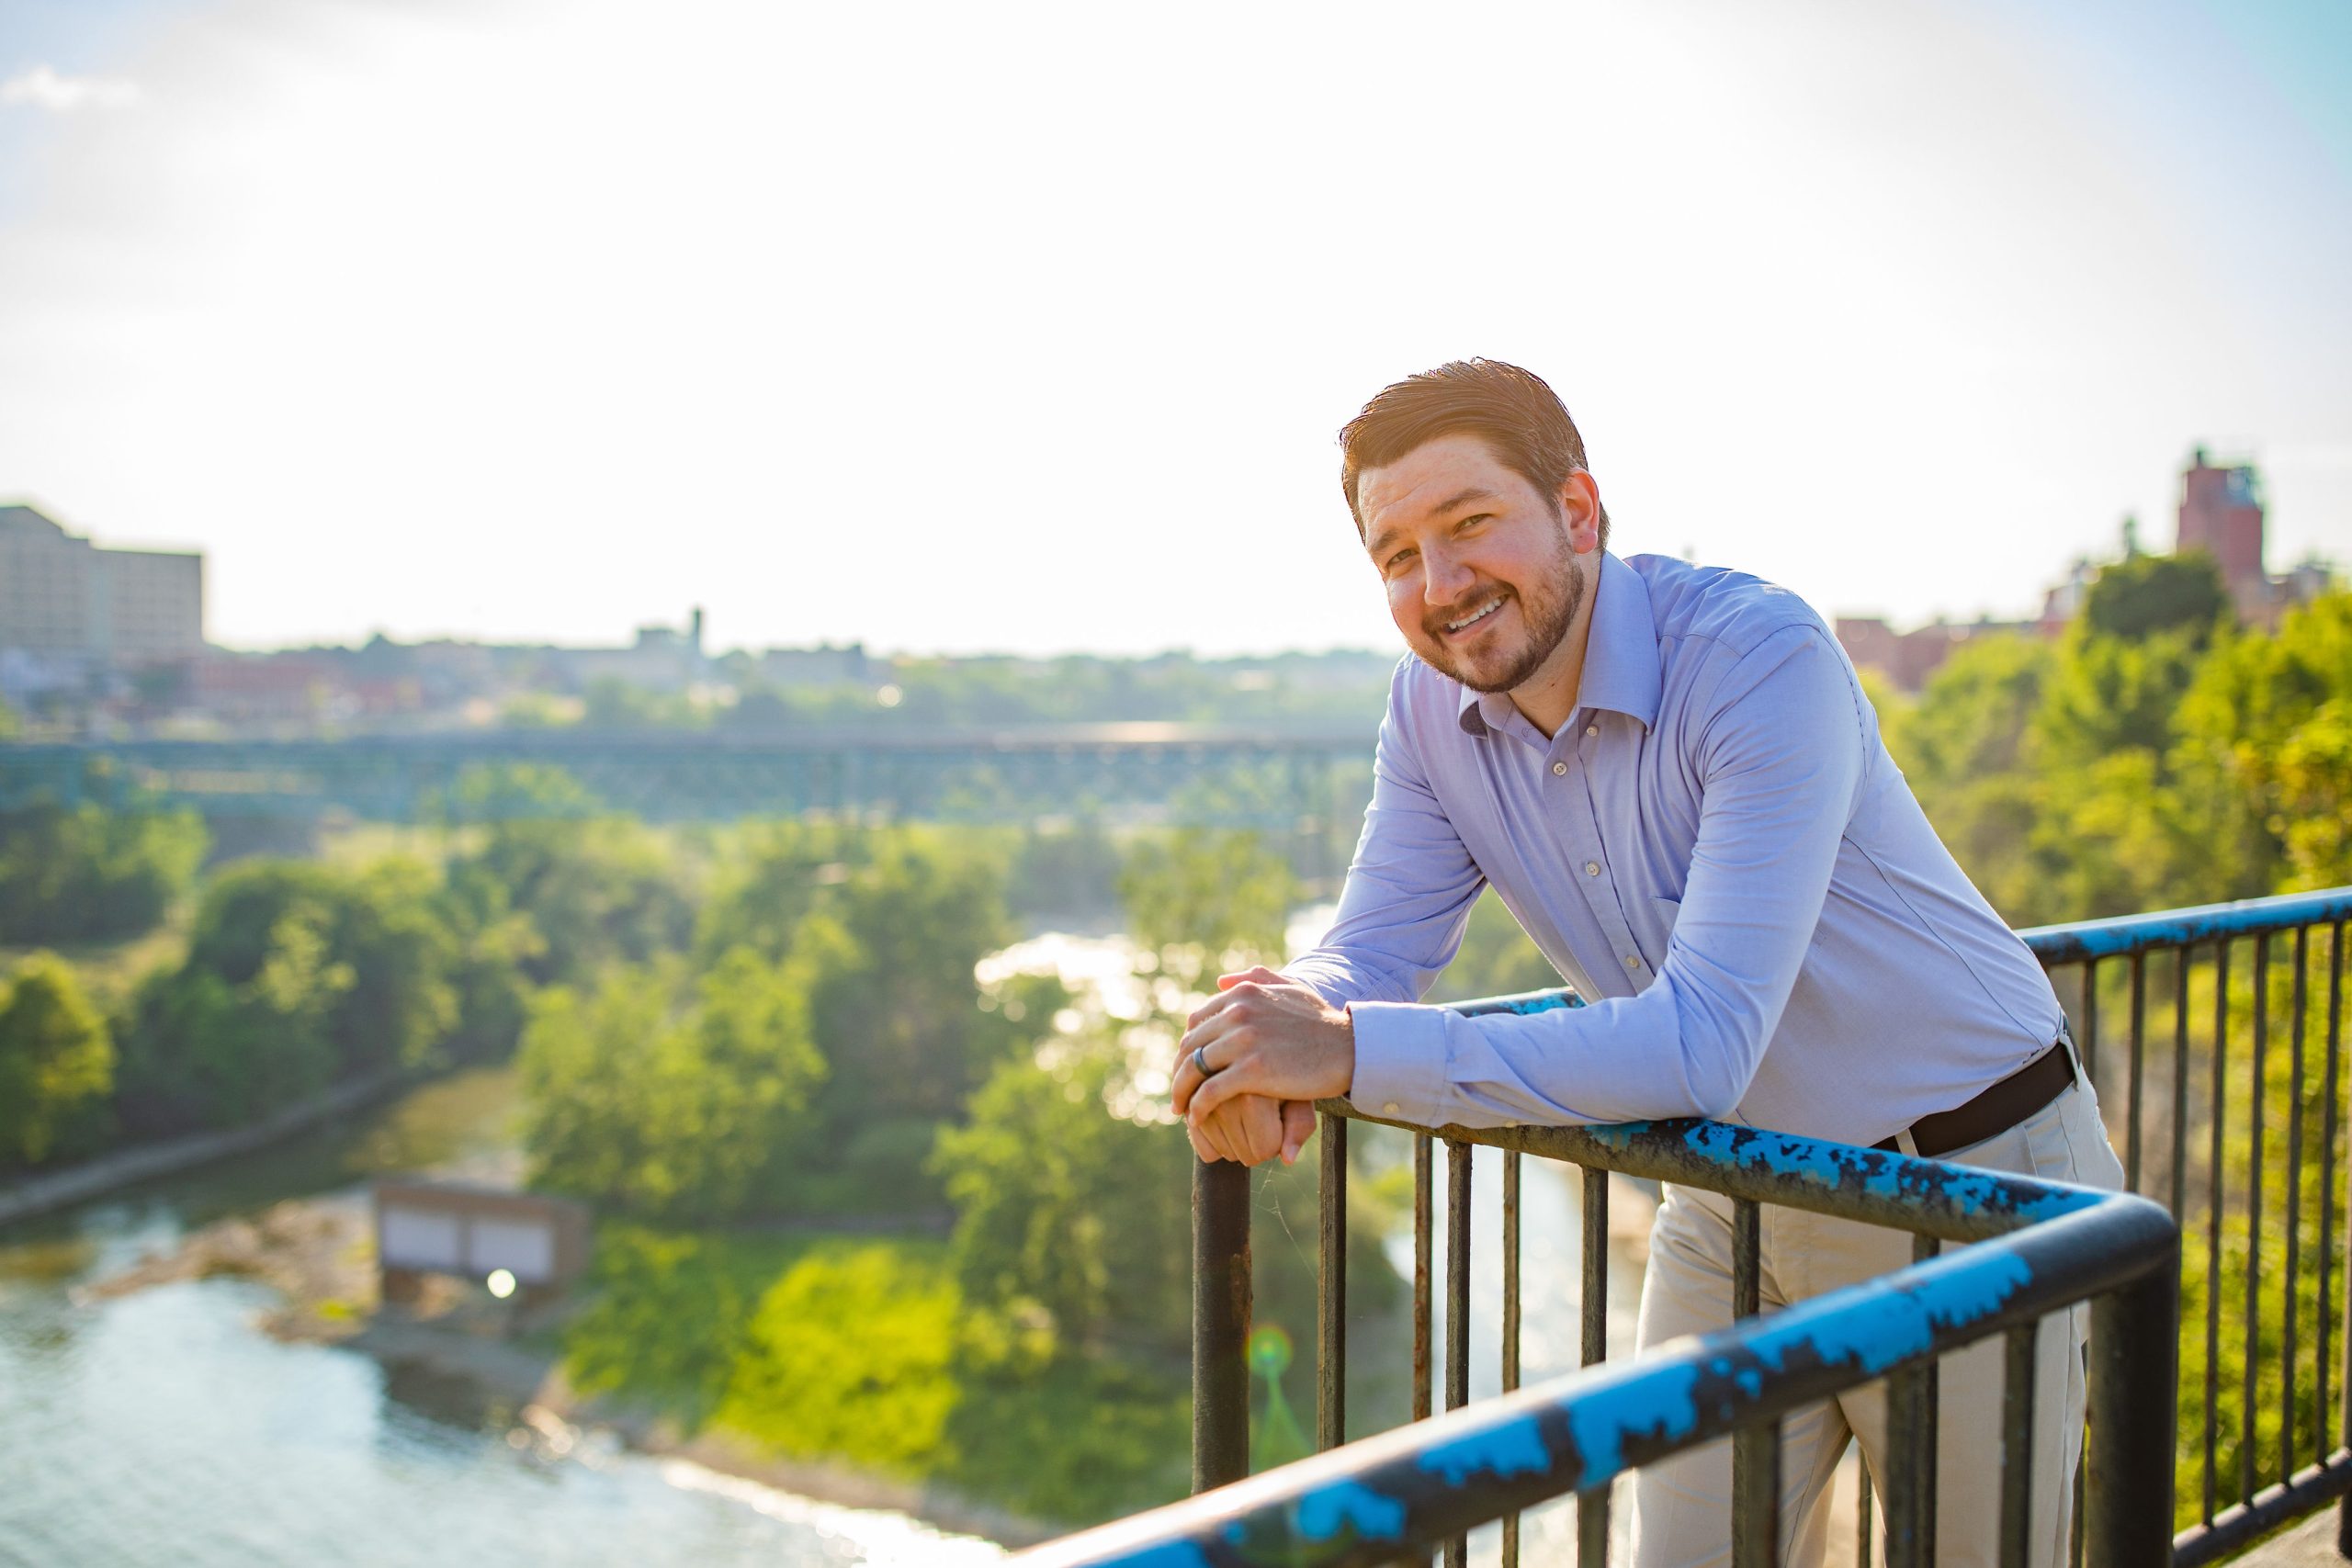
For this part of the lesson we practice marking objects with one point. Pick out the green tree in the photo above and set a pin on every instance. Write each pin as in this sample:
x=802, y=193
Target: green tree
x=2107, y=693
x=2260, y=752
x=1971, y=718
x=88, y=873
x=205, y=1049
x=56, y=1064
x=296, y=975
x=1063, y=1201
x=598, y=889
x=2144, y=597
x=672, y=1097
x=1201, y=902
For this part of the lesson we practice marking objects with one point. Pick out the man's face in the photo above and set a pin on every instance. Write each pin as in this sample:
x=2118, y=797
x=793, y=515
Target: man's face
x=1484, y=573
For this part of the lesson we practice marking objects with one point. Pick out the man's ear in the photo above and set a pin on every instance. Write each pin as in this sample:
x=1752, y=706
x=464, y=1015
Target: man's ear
x=1580, y=512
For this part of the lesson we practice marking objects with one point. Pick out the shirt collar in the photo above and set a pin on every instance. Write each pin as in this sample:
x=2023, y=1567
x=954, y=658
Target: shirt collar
x=1621, y=664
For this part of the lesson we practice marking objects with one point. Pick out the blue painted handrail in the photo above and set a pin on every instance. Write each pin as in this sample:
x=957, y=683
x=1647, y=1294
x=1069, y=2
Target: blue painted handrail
x=2082, y=939
x=2054, y=1244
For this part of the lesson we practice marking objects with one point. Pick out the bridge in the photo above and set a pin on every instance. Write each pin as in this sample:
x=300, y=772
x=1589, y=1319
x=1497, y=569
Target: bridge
x=2221, y=1022
x=1291, y=778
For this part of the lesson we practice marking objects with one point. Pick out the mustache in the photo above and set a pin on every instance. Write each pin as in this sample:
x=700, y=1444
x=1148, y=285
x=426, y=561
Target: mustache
x=1434, y=622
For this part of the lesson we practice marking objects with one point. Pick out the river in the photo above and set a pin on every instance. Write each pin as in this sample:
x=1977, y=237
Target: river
x=163, y=1427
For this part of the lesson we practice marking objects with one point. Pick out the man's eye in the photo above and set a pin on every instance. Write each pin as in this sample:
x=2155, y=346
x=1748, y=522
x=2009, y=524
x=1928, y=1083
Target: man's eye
x=1400, y=560
x=1472, y=522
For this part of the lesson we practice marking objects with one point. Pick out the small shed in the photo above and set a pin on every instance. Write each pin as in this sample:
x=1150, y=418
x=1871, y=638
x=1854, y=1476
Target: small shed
x=434, y=1227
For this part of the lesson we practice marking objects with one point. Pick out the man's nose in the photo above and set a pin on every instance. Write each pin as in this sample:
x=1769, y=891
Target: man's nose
x=1444, y=576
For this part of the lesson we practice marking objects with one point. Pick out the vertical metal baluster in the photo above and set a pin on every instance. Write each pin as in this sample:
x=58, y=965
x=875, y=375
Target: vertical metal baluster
x=1592, y=1506
x=1755, y=1449
x=2017, y=1444
x=2131, y=1094
x=2335, y=1042
x=1423, y=1261
x=1510, y=1320
x=2214, y=1223
x=2288, y=1356
x=1457, y=1301
x=2082, y=1509
x=1422, y=1246
x=1331, y=1288
x=1906, y=1399
x=1220, y=1323
x=1924, y=1248
x=2180, y=1085
x=2090, y=1021
x=2254, y=1217
x=1863, y=1543
x=2323, y=1323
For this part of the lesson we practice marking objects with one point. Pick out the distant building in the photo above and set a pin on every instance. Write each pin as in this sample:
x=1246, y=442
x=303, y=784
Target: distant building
x=1908, y=658
x=60, y=594
x=663, y=659
x=2221, y=515
x=823, y=665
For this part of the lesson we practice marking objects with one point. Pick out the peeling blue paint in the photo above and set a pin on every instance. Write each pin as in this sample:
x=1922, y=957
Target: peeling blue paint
x=1514, y=1448
x=1527, y=1003
x=1891, y=1321
x=1871, y=1172
x=1168, y=1555
x=1663, y=1403
x=1322, y=1512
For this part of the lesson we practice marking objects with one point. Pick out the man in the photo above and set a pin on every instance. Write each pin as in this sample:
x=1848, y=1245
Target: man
x=1673, y=779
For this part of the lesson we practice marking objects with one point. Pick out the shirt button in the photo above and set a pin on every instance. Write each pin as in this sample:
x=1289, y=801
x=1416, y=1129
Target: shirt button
x=1590, y=730
x=1559, y=768
x=1631, y=962
x=1389, y=1109
x=1592, y=868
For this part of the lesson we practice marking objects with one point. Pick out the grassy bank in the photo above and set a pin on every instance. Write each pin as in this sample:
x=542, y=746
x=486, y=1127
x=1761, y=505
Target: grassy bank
x=862, y=1350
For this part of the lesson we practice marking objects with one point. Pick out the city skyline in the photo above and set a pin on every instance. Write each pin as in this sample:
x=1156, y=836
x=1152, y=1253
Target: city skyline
x=522, y=321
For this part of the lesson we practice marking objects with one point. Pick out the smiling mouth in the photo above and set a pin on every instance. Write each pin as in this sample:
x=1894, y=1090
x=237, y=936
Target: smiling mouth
x=1476, y=617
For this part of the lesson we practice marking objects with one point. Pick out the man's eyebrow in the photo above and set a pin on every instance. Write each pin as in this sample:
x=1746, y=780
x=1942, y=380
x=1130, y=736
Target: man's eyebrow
x=1460, y=498
x=1379, y=541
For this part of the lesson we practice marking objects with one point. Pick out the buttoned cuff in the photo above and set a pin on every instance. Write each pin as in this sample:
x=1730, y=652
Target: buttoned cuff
x=1400, y=1061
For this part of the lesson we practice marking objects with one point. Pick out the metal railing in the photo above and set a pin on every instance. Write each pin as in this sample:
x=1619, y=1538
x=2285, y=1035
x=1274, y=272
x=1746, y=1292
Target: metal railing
x=2259, y=1201
x=2090, y=1245
x=2044, y=1246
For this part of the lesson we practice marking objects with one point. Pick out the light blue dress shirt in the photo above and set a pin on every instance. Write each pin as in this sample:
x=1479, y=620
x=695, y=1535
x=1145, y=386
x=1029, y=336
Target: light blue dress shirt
x=1715, y=850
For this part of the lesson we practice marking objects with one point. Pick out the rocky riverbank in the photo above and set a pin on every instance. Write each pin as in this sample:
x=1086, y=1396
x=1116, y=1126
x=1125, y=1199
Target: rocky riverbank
x=318, y=1254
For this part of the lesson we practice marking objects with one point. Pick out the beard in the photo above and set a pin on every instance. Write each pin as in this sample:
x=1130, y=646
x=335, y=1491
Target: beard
x=1548, y=607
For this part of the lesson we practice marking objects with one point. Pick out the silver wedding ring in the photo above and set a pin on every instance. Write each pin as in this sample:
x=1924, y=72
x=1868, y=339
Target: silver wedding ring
x=1201, y=1061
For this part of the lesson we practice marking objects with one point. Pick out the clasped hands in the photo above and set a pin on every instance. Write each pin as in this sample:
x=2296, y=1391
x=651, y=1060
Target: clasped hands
x=1273, y=1047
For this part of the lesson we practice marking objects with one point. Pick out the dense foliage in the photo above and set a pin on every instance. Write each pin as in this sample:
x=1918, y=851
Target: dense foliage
x=86, y=874
x=2170, y=762
x=668, y=1094
x=56, y=1064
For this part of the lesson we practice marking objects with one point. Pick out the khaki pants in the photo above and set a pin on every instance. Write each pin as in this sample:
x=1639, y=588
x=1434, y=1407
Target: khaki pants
x=1682, y=1506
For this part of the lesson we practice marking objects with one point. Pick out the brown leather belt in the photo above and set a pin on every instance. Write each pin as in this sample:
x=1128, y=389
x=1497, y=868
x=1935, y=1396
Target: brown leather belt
x=1996, y=1109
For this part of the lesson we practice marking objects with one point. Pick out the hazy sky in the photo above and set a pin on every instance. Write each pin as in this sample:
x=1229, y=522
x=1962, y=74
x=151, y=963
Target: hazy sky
x=965, y=327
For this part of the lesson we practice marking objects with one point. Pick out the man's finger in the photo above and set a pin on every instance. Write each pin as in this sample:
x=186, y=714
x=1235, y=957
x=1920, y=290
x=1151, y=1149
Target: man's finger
x=1298, y=1125
x=1262, y=1126
x=1220, y=1087
x=1214, y=1135
x=1259, y=973
x=1215, y=1004
x=1200, y=1143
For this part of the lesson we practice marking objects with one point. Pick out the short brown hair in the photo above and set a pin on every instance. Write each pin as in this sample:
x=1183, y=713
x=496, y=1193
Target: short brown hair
x=1510, y=409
